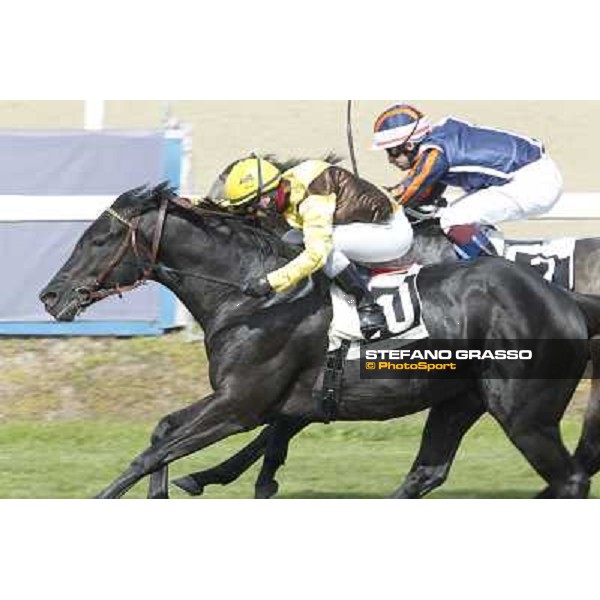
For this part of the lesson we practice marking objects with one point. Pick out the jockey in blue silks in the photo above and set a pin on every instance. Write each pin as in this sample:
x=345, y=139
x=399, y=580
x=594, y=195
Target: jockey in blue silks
x=505, y=176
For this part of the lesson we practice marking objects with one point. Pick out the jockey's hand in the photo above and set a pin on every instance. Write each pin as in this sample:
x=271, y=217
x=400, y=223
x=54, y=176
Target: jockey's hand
x=257, y=287
x=396, y=191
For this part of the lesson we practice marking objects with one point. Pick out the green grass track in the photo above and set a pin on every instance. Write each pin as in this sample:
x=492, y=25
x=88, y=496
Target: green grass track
x=75, y=459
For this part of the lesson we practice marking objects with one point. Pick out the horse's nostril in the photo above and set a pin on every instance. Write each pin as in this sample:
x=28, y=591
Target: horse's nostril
x=49, y=299
x=83, y=293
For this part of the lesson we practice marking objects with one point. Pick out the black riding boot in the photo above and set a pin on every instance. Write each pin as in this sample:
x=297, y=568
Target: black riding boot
x=370, y=313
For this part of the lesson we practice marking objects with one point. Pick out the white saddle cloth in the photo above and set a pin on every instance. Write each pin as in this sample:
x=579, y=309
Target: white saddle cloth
x=397, y=293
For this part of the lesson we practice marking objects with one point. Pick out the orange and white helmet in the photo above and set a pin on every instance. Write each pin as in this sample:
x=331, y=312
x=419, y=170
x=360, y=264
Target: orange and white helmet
x=399, y=125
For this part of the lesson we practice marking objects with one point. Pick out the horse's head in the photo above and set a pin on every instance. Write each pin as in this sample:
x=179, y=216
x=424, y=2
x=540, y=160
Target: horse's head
x=113, y=255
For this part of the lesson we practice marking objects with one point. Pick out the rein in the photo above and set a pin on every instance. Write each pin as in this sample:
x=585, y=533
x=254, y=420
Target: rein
x=150, y=263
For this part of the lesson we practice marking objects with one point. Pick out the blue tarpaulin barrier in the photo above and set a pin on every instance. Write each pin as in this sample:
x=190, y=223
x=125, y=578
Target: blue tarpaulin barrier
x=53, y=184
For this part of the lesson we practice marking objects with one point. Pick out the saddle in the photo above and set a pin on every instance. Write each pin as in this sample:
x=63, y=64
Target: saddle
x=396, y=291
x=553, y=259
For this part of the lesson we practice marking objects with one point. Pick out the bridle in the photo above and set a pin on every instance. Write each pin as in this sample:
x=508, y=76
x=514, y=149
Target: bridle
x=147, y=264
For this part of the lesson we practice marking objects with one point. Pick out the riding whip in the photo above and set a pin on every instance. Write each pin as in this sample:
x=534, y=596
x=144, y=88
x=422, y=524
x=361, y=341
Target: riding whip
x=351, y=137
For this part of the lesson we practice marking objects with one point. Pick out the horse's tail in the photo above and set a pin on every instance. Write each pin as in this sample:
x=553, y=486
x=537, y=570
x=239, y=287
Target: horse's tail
x=589, y=305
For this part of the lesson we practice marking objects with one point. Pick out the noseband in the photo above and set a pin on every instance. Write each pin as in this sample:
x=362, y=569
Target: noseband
x=146, y=266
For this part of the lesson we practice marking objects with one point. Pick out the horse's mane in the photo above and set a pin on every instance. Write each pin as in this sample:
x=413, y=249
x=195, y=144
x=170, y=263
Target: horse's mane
x=139, y=200
x=209, y=217
x=285, y=164
x=429, y=227
x=282, y=164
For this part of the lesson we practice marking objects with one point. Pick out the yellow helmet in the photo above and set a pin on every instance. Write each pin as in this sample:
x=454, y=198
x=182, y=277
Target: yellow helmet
x=248, y=179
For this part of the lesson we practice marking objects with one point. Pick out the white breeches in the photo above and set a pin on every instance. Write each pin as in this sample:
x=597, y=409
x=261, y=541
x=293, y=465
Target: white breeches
x=368, y=243
x=534, y=190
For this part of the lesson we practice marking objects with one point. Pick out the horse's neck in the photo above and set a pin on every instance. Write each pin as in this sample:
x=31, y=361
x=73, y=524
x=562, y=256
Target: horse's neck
x=187, y=247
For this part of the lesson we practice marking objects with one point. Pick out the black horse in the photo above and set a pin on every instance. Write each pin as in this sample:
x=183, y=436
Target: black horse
x=265, y=356
x=430, y=246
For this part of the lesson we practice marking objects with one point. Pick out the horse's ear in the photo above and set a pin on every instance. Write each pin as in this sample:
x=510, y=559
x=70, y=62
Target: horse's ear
x=164, y=189
x=284, y=165
x=138, y=191
x=333, y=158
x=131, y=196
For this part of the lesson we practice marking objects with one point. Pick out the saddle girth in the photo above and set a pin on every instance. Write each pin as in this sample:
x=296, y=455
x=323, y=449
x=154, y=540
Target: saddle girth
x=328, y=397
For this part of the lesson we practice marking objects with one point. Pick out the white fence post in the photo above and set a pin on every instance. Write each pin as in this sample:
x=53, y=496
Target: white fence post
x=93, y=118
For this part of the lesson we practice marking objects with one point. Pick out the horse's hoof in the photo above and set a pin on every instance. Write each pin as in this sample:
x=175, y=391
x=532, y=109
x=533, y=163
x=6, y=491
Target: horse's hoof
x=189, y=485
x=402, y=493
x=160, y=496
x=266, y=491
x=397, y=496
x=546, y=493
x=104, y=495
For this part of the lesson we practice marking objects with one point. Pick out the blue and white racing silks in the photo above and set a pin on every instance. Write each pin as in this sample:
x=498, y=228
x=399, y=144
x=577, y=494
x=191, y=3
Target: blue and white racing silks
x=479, y=157
x=467, y=156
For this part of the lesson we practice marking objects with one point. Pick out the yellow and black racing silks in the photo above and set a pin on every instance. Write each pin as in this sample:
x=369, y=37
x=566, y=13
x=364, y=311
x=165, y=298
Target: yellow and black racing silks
x=321, y=196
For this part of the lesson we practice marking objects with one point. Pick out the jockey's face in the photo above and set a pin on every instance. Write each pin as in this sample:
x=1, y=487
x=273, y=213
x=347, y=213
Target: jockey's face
x=402, y=156
x=265, y=203
x=273, y=202
x=258, y=207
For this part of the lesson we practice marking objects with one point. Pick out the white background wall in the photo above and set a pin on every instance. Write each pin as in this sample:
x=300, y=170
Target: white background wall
x=225, y=130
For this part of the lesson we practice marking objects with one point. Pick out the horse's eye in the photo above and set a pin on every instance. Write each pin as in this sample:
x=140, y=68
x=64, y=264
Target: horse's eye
x=98, y=242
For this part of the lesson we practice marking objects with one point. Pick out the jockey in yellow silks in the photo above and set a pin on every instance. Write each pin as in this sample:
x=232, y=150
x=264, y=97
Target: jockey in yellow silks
x=342, y=219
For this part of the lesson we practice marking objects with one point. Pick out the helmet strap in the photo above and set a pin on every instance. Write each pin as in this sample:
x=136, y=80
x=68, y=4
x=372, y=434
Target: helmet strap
x=407, y=140
x=413, y=130
x=260, y=177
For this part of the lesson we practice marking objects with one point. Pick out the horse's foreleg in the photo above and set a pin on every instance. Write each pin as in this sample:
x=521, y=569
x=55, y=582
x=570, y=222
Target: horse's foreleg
x=272, y=442
x=227, y=471
x=158, y=489
x=446, y=426
x=205, y=423
x=159, y=480
x=282, y=431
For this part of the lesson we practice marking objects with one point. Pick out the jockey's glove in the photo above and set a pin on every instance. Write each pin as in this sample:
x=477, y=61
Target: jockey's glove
x=257, y=287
